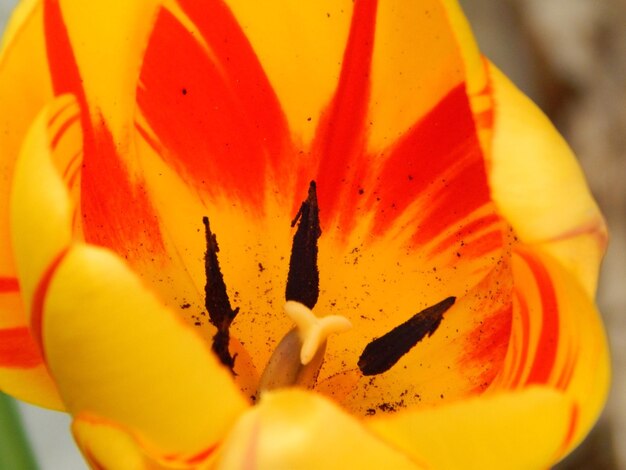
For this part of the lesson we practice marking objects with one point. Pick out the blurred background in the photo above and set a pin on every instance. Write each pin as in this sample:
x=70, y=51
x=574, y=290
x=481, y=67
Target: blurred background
x=569, y=56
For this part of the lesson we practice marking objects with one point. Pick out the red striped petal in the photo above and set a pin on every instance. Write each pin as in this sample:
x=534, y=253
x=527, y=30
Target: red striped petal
x=107, y=185
x=210, y=104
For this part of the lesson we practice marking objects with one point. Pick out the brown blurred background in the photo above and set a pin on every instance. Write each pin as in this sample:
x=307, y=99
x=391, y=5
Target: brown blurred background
x=570, y=57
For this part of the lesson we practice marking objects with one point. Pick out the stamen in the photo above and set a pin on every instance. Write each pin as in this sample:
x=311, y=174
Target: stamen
x=217, y=303
x=303, y=277
x=381, y=354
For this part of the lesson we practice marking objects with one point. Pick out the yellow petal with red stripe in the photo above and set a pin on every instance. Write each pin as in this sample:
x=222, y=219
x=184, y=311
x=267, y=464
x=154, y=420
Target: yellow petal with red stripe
x=23, y=373
x=107, y=445
x=41, y=227
x=292, y=429
x=539, y=187
x=37, y=247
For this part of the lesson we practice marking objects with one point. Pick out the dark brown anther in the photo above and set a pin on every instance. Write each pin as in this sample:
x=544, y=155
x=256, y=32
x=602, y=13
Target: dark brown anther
x=217, y=303
x=303, y=277
x=382, y=353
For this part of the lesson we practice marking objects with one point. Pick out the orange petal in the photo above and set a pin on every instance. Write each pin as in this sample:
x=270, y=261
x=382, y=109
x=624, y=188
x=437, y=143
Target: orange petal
x=516, y=430
x=296, y=429
x=416, y=62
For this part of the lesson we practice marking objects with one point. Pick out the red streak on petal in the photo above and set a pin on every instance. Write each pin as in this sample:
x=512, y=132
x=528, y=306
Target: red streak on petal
x=215, y=113
x=36, y=316
x=482, y=245
x=9, y=284
x=66, y=125
x=194, y=459
x=63, y=68
x=201, y=456
x=117, y=213
x=158, y=149
x=465, y=232
x=340, y=136
x=440, y=154
x=72, y=172
x=58, y=114
x=465, y=192
x=484, y=120
x=18, y=349
x=571, y=430
x=241, y=68
x=487, y=346
x=93, y=462
x=547, y=346
x=524, y=333
x=568, y=370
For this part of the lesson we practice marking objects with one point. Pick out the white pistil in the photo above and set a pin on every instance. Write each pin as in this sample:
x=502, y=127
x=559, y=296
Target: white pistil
x=314, y=331
x=297, y=359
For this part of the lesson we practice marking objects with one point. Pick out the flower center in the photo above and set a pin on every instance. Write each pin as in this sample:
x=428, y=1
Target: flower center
x=299, y=356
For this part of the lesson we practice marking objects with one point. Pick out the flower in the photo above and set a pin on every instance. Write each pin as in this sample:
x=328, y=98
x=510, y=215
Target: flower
x=436, y=209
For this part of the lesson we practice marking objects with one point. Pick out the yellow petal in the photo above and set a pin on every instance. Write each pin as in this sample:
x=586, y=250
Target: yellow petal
x=538, y=186
x=32, y=385
x=108, y=445
x=105, y=446
x=517, y=430
x=292, y=429
x=115, y=351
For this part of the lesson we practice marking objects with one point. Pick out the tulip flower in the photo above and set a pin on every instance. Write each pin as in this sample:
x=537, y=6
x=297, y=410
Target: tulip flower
x=312, y=234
